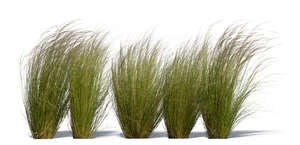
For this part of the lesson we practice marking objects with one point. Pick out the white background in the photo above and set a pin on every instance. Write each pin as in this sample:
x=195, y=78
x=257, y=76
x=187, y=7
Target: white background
x=277, y=119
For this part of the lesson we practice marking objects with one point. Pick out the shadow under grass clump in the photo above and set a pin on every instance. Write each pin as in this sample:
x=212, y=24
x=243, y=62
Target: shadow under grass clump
x=45, y=83
x=136, y=85
x=62, y=134
x=230, y=78
x=244, y=133
x=88, y=83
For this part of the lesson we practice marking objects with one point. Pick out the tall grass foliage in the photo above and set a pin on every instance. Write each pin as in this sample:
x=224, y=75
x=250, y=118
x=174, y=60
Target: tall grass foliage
x=45, y=81
x=88, y=83
x=182, y=79
x=231, y=77
x=136, y=85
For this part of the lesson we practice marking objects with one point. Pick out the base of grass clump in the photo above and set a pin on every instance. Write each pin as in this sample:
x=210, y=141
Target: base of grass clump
x=83, y=137
x=212, y=136
x=217, y=134
x=139, y=135
x=134, y=137
x=178, y=136
x=216, y=137
x=43, y=136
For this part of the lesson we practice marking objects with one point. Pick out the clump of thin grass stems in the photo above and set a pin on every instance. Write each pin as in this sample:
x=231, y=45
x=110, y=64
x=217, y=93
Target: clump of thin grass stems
x=136, y=85
x=230, y=78
x=88, y=83
x=45, y=80
x=182, y=78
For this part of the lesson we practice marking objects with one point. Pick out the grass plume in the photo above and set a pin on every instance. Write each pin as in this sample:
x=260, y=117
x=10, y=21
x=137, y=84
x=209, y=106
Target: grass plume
x=88, y=83
x=230, y=78
x=136, y=84
x=45, y=82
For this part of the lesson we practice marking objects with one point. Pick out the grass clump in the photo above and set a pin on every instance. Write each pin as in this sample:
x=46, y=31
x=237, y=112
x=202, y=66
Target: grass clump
x=231, y=78
x=136, y=84
x=45, y=78
x=88, y=83
x=182, y=80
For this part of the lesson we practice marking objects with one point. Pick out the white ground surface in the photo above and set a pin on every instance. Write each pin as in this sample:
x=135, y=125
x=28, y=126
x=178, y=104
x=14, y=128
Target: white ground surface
x=276, y=121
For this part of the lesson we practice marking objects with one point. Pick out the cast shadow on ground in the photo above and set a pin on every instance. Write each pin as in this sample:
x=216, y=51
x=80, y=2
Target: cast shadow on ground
x=244, y=133
x=234, y=134
x=61, y=134
x=159, y=134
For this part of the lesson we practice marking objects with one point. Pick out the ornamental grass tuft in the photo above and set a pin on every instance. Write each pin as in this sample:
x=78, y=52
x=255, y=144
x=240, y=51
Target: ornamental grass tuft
x=45, y=81
x=182, y=76
x=88, y=83
x=136, y=85
x=233, y=66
